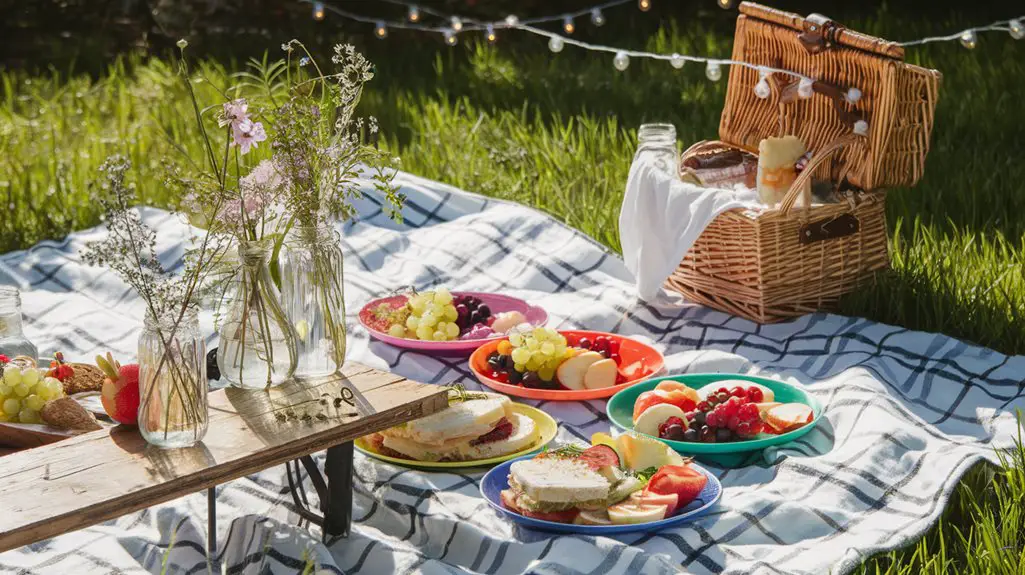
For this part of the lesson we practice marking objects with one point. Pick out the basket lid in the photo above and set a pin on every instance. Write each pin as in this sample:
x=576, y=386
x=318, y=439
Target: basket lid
x=861, y=85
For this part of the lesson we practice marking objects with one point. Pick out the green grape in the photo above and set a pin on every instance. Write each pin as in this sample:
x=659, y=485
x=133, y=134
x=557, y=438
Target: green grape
x=520, y=355
x=519, y=367
x=443, y=296
x=5, y=389
x=553, y=363
x=534, y=363
x=548, y=348
x=34, y=402
x=12, y=406
x=516, y=339
x=21, y=390
x=417, y=304
x=532, y=344
x=451, y=314
x=396, y=330
x=30, y=376
x=56, y=387
x=428, y=319
x=424, y=332
x=440, y=336
x=546, y=373
x=453, y=330
x=28, y=416
x=12, y=375
x=412, y=322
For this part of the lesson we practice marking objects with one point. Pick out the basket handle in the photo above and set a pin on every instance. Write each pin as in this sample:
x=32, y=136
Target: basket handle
x=805, y=176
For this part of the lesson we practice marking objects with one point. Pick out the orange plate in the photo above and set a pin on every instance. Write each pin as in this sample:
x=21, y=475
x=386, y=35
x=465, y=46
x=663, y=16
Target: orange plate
x=630, y=350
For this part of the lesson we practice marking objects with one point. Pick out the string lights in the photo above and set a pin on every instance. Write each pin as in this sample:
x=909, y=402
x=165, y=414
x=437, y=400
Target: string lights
x=621, y=58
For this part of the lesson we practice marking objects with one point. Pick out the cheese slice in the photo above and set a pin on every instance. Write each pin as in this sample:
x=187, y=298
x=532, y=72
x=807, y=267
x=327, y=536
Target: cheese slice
x=464, y=420
x=525, y=433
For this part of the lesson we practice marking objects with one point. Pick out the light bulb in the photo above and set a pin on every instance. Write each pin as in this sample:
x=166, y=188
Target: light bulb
x=805, y=88
x=1016, y=29
x=861, y=128
x=450, y=38
x=597, y=18
x=511, y=20
x=762, y=89
x=644, y=5
x=318, y=11
x=725, y=4
x=713, y=71
x=555, y=44
x=677, y=61
x=853, y=95
x=457, y=24
x=414, y=13
x=491, y=34
x=567, y=25
x=968, y=39
x=621, y=61
x=380, y=30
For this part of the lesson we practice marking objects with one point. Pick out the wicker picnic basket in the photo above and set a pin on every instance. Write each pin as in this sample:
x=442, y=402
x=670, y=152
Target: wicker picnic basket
x=797, y=258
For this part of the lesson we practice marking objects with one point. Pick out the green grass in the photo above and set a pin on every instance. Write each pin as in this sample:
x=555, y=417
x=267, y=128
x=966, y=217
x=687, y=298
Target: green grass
x=558, y=133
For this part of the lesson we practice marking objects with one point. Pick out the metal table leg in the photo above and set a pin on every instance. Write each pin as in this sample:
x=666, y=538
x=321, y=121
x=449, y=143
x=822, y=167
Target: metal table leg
x=211, y=518
x=334, y=487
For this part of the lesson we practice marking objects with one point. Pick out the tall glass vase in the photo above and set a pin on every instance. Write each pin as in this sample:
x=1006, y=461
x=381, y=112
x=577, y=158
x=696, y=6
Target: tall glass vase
x=313, y=296
x=172, y=382
x=258, y=345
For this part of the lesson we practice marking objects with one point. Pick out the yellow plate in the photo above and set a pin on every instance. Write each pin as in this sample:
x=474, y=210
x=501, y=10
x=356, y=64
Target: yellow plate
x=545, y=424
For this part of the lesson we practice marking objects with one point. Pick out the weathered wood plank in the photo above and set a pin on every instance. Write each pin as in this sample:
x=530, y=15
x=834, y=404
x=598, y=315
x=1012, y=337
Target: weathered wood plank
x=94, y=477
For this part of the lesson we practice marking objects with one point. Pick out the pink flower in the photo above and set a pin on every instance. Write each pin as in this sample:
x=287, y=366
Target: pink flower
x=247, y=133
x=234, y=113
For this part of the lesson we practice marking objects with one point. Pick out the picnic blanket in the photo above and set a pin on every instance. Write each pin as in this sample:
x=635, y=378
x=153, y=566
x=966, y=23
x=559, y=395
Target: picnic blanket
x=906, y=414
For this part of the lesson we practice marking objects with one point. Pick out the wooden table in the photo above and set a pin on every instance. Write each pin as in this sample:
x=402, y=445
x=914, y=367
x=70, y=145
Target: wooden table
x=98, y=476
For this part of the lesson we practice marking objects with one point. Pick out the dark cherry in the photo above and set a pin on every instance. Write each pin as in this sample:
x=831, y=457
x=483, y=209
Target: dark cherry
x=515, y=377
x=723, y=435
x=699, y=417
x=531, y=379
x=691, y=435
x=613, y=346
x=707, y=434
x=675, y=432
x=484, y=310
x=584, y=343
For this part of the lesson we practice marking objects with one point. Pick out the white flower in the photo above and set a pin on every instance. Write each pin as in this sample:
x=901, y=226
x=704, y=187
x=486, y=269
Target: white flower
x=234, y=113
x=182, y=43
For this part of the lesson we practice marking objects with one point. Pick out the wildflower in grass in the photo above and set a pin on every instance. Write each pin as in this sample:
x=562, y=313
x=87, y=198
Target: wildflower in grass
x=247, y=133
x=234, y=113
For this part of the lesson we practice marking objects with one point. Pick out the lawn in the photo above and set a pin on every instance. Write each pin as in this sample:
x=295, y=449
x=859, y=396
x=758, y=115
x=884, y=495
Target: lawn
x=558, y=133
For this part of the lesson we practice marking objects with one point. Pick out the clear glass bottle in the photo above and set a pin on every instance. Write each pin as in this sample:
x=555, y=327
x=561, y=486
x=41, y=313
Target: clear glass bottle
x=312, y=291
x=172, y=382
x=12, y=339
x=258, y=344
x=659, y=141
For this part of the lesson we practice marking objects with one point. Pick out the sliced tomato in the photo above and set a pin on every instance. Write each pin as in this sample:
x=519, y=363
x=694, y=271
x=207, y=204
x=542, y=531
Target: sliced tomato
x=509, y=502
x=682, y=480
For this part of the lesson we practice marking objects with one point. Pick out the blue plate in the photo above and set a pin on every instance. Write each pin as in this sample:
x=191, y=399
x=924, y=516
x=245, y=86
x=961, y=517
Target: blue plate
x=497, y=480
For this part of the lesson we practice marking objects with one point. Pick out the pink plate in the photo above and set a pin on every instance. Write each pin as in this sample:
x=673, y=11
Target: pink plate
x=497, y=302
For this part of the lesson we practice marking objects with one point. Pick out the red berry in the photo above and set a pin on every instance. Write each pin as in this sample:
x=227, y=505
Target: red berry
x=755, y=394
x=756, y=427
x=620, y=379
x=738, y=392
x=722, y=390
x=613, y=345
x=723, y=396
x=733, y=422
x=615, y=357
x=704, y=406
x=584, y=343
x=712, y=419
x=688, y=405
x=674, y=421
x=744, y=429
x=749, y=412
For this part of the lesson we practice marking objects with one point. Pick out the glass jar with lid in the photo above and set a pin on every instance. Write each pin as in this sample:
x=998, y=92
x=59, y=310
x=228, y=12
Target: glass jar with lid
x=12, y=339
x=658, y=141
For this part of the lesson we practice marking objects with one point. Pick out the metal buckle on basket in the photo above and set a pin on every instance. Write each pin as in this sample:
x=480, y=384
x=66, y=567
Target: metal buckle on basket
x=832, y=228
x=820, y=33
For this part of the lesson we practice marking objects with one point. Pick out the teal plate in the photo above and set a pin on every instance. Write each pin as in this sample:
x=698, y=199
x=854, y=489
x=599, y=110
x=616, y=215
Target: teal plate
x=620, y=411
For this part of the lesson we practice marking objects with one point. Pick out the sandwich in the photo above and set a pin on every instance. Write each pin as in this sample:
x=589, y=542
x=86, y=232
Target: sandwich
x=474, y=426
x=555, y=489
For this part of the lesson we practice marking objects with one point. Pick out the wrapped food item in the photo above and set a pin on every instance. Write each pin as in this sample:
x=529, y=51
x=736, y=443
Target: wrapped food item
x=717, y=165
x=777, y=167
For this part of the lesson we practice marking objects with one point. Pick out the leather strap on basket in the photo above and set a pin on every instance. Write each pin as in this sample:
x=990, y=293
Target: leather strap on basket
x=820, y=33
x=804, y=177
x=788, y=94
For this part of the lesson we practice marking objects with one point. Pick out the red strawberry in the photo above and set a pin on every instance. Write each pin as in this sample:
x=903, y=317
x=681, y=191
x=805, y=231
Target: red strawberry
x=60, y=370
x=682, y=480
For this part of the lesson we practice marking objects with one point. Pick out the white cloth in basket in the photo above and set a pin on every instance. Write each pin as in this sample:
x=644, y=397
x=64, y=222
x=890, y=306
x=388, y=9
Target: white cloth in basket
x=662, y=217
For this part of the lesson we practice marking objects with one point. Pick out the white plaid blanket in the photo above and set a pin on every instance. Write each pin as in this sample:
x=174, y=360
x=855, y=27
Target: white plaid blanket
x=906, y=414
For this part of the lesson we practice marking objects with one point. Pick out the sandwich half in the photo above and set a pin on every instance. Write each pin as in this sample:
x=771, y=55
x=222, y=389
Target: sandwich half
x=467, y=430
x=555, y=489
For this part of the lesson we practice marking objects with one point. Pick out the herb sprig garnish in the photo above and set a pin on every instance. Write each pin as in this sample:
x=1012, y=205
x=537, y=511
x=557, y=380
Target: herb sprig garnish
x=568, y=451
x=458, y=394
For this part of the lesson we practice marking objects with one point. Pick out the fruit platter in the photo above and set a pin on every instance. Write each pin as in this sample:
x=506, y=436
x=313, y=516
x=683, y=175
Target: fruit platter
x=716, y=413
x=566, y=365
x=617, y=485
x=477, y=429
x=446, y=322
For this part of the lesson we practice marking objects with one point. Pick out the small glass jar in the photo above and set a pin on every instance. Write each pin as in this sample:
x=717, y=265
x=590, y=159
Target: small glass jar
x=12, y=339
x=172, y=382
x=659, y=142
x=257, y=348
x=312, y=293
